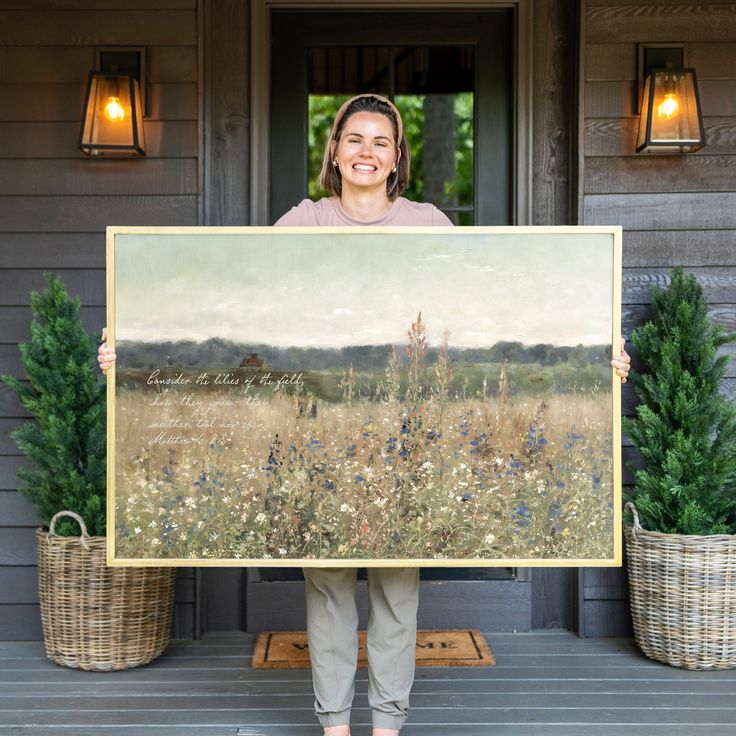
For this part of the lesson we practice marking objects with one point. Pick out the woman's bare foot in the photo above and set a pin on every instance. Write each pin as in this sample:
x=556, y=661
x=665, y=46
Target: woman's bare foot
x=337, y=731
x=385, y=732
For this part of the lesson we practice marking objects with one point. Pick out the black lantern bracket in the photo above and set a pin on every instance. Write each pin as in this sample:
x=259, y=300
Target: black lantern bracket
x=125, y=60
x=657, y=56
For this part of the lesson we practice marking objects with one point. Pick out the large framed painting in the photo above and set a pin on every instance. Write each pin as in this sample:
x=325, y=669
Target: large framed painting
x=364, y=396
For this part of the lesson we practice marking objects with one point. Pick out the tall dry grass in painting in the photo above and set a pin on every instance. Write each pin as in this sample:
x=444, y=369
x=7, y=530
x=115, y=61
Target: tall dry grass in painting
x=431, y=472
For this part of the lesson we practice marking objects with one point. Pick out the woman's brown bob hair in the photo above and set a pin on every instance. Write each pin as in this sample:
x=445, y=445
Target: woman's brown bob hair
x=330, y=177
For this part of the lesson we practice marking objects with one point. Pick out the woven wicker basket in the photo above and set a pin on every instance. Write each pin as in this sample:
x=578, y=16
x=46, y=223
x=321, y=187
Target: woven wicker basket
x=97, y=617
x=683, y=596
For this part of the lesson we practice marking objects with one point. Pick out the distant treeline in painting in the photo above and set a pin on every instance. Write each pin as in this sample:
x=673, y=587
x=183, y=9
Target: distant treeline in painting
x=409, y=451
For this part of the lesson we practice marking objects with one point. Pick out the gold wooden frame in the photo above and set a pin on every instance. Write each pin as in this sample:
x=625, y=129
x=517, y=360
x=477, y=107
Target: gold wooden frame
x=616, y=255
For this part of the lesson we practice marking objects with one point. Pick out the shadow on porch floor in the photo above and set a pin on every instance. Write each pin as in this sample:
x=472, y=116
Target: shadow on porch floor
x=545, y=684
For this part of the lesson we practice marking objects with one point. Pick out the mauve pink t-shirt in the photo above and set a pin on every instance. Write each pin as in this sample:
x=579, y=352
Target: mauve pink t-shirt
x=328, y=212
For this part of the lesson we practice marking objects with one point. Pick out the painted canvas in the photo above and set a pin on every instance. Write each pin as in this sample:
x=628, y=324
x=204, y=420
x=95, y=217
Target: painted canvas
x=436, y=396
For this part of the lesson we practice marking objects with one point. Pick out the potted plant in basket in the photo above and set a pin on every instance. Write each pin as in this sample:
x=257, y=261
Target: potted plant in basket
x=94, y=617
x=681, y=547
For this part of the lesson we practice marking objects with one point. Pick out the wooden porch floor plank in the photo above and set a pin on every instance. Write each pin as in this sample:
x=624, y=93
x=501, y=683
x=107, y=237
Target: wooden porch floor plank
x=696, y=688
x=151, y=675
x=421, y=715
x=501, y=729
x=545, y=684
x=236, y=663
x=303, y=701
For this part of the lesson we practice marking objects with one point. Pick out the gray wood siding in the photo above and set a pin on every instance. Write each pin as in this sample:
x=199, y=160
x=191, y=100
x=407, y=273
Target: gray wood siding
x=674, y=210
x=55, y=204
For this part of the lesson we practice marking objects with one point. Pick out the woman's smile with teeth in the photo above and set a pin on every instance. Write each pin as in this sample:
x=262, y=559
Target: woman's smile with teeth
x=365, y=167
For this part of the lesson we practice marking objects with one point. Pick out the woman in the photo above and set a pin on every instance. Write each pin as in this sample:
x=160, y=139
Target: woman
x=365, y=171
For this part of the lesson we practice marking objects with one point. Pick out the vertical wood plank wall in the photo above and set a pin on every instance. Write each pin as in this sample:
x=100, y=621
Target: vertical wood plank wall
x=553, y=104
x=55, y=204
x=674, y=210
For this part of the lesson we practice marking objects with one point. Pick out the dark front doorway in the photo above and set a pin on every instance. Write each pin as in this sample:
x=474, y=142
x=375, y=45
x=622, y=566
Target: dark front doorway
x=451, y=76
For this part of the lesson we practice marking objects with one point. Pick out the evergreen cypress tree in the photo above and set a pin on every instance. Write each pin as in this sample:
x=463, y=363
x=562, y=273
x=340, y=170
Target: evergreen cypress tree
x=66, y=395
x=684, y=429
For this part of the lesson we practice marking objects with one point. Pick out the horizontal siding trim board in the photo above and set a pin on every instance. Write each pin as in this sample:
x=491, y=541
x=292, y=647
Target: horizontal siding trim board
x=100, y=4
x=643, y=22
x=616, y=136
x=620, y=99
x=72, y=64
x=722, y=314
x=60, y=102
x=48, y=250
x=95, y=176
x=650, y=211
x=690, y=248
x=94, y=214
x=644, y=174
x=99, y=27
x=14, y=507
x=611, y=62
x=15, y=322
x=34, y=139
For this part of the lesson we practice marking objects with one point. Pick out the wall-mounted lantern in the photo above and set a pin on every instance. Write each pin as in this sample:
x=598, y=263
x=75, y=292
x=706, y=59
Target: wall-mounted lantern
x=112, y=118
x=671, y=119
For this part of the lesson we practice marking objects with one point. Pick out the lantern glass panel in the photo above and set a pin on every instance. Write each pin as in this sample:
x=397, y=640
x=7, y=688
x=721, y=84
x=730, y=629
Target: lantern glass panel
x=674, y=108
x=671, y=121
x=112, y=121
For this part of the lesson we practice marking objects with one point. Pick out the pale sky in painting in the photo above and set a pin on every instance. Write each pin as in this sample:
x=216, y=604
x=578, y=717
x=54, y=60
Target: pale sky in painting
x=302, y=290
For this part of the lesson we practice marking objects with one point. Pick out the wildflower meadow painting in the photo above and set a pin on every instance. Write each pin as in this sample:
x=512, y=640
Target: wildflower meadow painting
x=364, y=396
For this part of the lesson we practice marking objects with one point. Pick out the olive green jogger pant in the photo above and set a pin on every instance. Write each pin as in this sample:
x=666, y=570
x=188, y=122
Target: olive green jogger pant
x=332, y=628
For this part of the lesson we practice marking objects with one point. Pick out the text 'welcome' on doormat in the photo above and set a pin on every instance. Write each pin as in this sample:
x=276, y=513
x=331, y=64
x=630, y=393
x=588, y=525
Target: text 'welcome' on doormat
x=287, y=650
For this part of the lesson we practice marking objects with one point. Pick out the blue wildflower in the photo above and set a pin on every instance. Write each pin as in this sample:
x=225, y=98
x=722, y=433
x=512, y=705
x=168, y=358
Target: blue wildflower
x=522, y=514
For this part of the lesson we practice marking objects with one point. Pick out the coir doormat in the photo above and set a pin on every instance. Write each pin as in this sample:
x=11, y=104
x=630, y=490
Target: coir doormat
x=285, y=650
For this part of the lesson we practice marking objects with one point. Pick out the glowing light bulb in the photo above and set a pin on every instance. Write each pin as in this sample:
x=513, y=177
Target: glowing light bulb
x=669, y=107
x=114, y=111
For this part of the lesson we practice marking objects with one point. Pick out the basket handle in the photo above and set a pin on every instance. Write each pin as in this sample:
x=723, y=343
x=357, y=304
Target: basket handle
x=77, y=518
x=637, y=524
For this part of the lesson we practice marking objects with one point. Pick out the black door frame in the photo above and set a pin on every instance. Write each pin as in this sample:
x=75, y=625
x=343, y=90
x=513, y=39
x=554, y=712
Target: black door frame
x=260, y=85
x=489, y=32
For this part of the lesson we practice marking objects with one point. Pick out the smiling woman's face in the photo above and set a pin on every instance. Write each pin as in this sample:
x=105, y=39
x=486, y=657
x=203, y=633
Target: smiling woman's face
x=366, y=152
